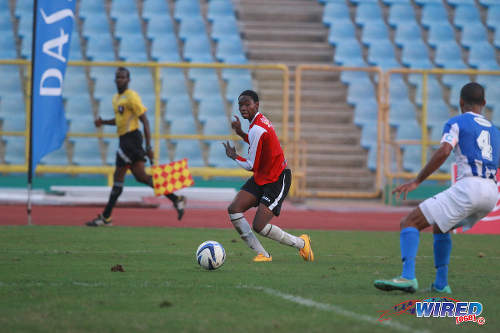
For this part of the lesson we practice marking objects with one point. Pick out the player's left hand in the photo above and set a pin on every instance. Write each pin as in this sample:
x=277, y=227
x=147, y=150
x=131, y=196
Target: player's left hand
x=230, y=151
x=151, y=155
x=405, y=188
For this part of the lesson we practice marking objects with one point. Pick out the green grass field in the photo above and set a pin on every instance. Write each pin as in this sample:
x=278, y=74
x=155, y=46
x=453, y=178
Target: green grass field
x=58, y=279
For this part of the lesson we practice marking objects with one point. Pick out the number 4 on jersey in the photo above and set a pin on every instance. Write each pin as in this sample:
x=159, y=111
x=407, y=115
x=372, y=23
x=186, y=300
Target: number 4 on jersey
x=483, y=141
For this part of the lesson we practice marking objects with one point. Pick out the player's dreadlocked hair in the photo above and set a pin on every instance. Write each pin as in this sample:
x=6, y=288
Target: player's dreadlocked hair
x=123, y=69
x=250, y=93
x=472, y=93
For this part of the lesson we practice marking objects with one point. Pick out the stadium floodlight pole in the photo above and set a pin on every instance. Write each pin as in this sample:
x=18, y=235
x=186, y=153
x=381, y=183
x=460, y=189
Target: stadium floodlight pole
x=30, y=149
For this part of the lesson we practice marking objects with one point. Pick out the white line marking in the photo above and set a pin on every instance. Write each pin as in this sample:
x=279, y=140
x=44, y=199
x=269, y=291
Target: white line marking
x=335, y=308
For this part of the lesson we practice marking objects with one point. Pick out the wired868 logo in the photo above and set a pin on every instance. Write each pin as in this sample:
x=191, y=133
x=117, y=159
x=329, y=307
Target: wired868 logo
x=438, y=307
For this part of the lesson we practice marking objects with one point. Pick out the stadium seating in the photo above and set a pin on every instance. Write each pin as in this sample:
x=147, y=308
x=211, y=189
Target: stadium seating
x=15, y=147
x=341, y=31
x=412, y=158
x=401, y=14
x=493, y=16
x=473, y=33
x=348, y=53
x=375, y=32
x=178, y=107
x=416, y=55
x=482, y=56
x=216, y=126
x=190, y=150
x=382, y=54
x=439, y=33
x=368, y=12
x=465, y=14
x=408, y=33
x=57, y=157
x=86, y=151
x=335, y=12
x=218, y=158
x=433, y=13
x=212, y=107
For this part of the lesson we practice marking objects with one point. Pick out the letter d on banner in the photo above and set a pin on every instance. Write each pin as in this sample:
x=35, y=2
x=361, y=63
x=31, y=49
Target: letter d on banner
x=52, y=28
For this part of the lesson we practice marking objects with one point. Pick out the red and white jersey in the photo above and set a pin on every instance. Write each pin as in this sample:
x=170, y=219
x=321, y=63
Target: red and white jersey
x=265, y=156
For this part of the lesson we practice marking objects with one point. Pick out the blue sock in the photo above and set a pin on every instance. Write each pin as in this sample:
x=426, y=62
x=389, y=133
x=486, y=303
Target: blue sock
x=442, y=251
x=409, y=238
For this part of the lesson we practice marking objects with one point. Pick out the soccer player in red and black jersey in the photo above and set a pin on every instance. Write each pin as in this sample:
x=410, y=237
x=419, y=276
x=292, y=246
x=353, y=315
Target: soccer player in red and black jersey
x=268, y=186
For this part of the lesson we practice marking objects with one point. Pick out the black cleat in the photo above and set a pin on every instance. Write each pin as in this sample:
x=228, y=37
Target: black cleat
x=99, y=221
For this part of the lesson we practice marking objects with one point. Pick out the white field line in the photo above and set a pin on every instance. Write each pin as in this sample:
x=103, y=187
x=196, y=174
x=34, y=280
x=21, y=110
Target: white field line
x=336, y=309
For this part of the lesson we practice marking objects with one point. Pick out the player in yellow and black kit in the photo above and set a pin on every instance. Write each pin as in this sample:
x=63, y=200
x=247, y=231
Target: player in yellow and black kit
x=128, y=109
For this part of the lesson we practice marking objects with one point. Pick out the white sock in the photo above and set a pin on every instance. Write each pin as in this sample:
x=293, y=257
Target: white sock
x=276, y=233
x=241, y=225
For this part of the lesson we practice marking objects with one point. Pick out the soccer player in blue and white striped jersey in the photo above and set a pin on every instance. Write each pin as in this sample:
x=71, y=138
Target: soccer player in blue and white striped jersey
x=476, y=144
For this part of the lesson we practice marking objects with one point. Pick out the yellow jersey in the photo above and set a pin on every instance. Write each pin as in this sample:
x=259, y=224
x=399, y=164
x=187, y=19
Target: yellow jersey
x=128, y=108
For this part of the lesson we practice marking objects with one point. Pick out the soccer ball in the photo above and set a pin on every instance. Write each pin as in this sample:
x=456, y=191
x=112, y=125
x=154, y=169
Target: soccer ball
x=210, y=255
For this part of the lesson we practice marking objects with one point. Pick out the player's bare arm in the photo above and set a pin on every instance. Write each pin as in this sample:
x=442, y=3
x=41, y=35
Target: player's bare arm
x=99, y=122
x=437, y=159
x=230, y=151
x=236, y=126
x=147, y=137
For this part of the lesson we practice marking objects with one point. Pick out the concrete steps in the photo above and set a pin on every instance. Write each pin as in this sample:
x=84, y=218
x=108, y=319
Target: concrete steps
x=291, y=32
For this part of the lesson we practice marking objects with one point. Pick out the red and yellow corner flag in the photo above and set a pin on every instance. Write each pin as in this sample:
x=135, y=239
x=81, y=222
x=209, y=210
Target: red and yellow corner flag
x=168, y=178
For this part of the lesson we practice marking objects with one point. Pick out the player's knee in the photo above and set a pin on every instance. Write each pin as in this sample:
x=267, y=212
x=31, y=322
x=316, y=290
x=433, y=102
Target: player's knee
x=257, y=228
x=233, y=209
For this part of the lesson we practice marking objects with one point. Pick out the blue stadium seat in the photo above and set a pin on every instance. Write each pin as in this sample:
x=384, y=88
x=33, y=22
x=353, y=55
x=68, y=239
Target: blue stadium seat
x=493, y=16
x=230, y=51
x=368, y=133
x=155, y=8
x=409, y=130
x=401, y=112
x=449, y=55
x=455, y=87
x=335, y=12
x=217, y=156
x=57, y=157
x=111, y=150
x=23, y=7
x=224, y=29
x=133, y=48
x=95, y=25
x=401, y=14
x=5, y=22
x=200, y=74
x=425, y=2
x=216, y=126
x=164, y=49
x=408, y=33
x=178, y=107
x=91, y=8
x=434, y=91
x=141, y=80
x=416, y=57
x=482, y=56
x=439, y=33
x=433, y=13
x=159, y=25
x=100, y=48
x=488, y=3
x=120, y=7
x=372, y=159
x=464, y=14
x=348, y=53
x=341, y=31
x=472, y=33
x=235, y=86
x=127, y=24
x=349, y=77
x=173, y=88
x=78, y=105
x=496, y=40
x=206, y=88
x=191, y=27
x=15, y=122
x=86, y=151
x=412, y=158
x=10, y=82
x=211, y=107
x=12, y=105
x=186, y=8
x=455, y=3
x=360, y=93
x=398, y=89
x=75, y=81
x=437, y=113
x=191, y=150
x=368, y=12
x=382, y=54
x=104, y=86
x=220, y=10
x=183, y=126
x=374, y=32
x=7, y=47
x=75, y=49
x=15, y=150
x=365, y=113
x=82, y=123
x=26, y=46
x=197, y=49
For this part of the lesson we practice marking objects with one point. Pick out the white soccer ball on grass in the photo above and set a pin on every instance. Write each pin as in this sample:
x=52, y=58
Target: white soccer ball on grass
x=210, y=255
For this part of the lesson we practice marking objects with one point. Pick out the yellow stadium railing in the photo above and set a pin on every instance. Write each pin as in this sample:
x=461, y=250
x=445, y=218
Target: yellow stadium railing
x=297, y=122
x=156, y=135
x=425, y=142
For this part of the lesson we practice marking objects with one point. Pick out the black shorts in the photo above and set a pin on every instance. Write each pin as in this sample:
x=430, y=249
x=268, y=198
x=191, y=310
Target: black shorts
x=130, y=149
x=272, y=194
